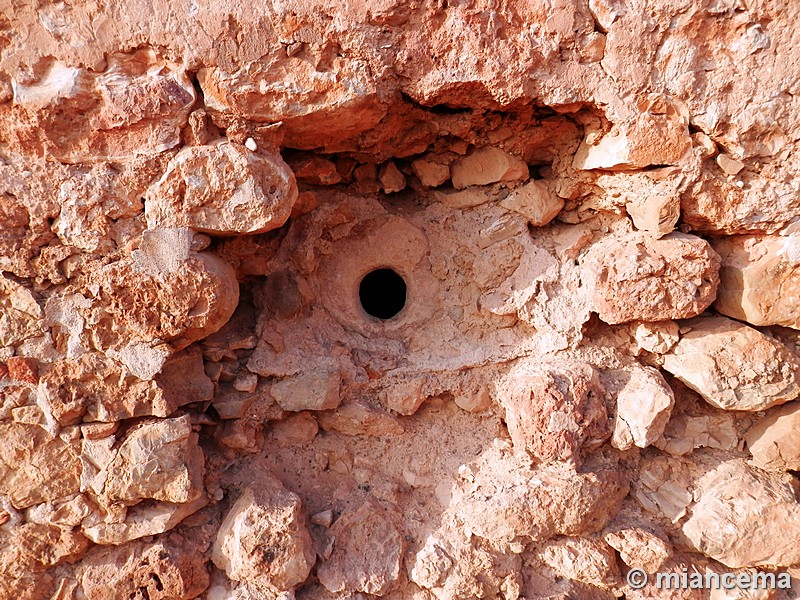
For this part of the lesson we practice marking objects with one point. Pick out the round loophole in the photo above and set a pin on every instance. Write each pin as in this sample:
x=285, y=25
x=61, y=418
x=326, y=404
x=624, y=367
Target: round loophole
x=382, y=293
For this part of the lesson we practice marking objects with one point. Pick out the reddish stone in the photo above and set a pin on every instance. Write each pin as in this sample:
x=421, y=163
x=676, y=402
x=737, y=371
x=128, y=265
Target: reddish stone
x=21, y=368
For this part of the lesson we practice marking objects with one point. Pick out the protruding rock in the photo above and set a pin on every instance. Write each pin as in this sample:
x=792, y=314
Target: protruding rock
x=656, y=214
x=367, y=552
x=774, y=441
x=639, y=549
x=733, y=366
x=36, y=466
x=167, y=291
x=264, y=537
x=430, y=172
x=535, y=202
x=487, y=165
x=392, y=180
x=644, y=405
x=136, y=106
x=658, y=136
x=143, y=520
x=102, y=390
x=224, y=189
x=554, y=410
x=760, y=279
x=314, y=105
x=159, y=570
x=588, y=560
x=160, y=460
x=497, y=504
x=636, y=277
x=745, y=518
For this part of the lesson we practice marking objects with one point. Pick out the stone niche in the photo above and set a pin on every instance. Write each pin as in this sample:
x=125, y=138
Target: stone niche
x=434, y=302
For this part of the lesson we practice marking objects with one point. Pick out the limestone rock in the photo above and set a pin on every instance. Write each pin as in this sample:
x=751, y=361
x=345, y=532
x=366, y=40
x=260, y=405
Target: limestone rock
x=774, y=441
x=392, y=180
x=167, y=569
x=166, y=292
x=487, y=165
x=143, y=520
x=657, y=338
x=759, y=278
x=659, y=136
x=535, y=202
x=744, y=517
x=367, y=552
x=25, y=369
x=498, y=505
x=663, y=487
x=20, y=313
x=308, y=391
x=636, y=277
x=639, y=549
x=264, y=537
x=644, y=406
x=135, y=106
x=36, y=466
x=733, y=366
x=332, y=104
x=656, y=214
x=99, y=389
x=295, y=430
x=160, y=460
x=223, y=189
x=555, y=410
x=29, y=552
x=588, y=560
x=430, y=172
x=315, y=170
x=453, y=566
x=685, y=433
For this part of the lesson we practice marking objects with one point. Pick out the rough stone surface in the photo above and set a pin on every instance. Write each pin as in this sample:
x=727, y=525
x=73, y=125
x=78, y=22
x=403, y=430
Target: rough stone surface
x=760, y=279
x=574, y=193
x=264, y=537
x=636, y=277
x=223, y=189
x=367, y=552
x=730, y=522
x=774, y=442
x=733, y=366
x=553, y=411
x=487, y=165
x=159, y=460
x=644, y=406
x=535, y=202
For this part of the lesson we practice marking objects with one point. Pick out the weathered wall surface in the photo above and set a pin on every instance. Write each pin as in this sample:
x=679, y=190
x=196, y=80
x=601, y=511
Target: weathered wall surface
x=594, y=210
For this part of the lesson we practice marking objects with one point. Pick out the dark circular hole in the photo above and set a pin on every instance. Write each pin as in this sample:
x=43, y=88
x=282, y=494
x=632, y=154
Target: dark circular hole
x=382, y=293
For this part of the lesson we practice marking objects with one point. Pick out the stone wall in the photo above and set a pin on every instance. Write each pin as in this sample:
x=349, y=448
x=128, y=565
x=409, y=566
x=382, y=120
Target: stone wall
x=433, y=300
